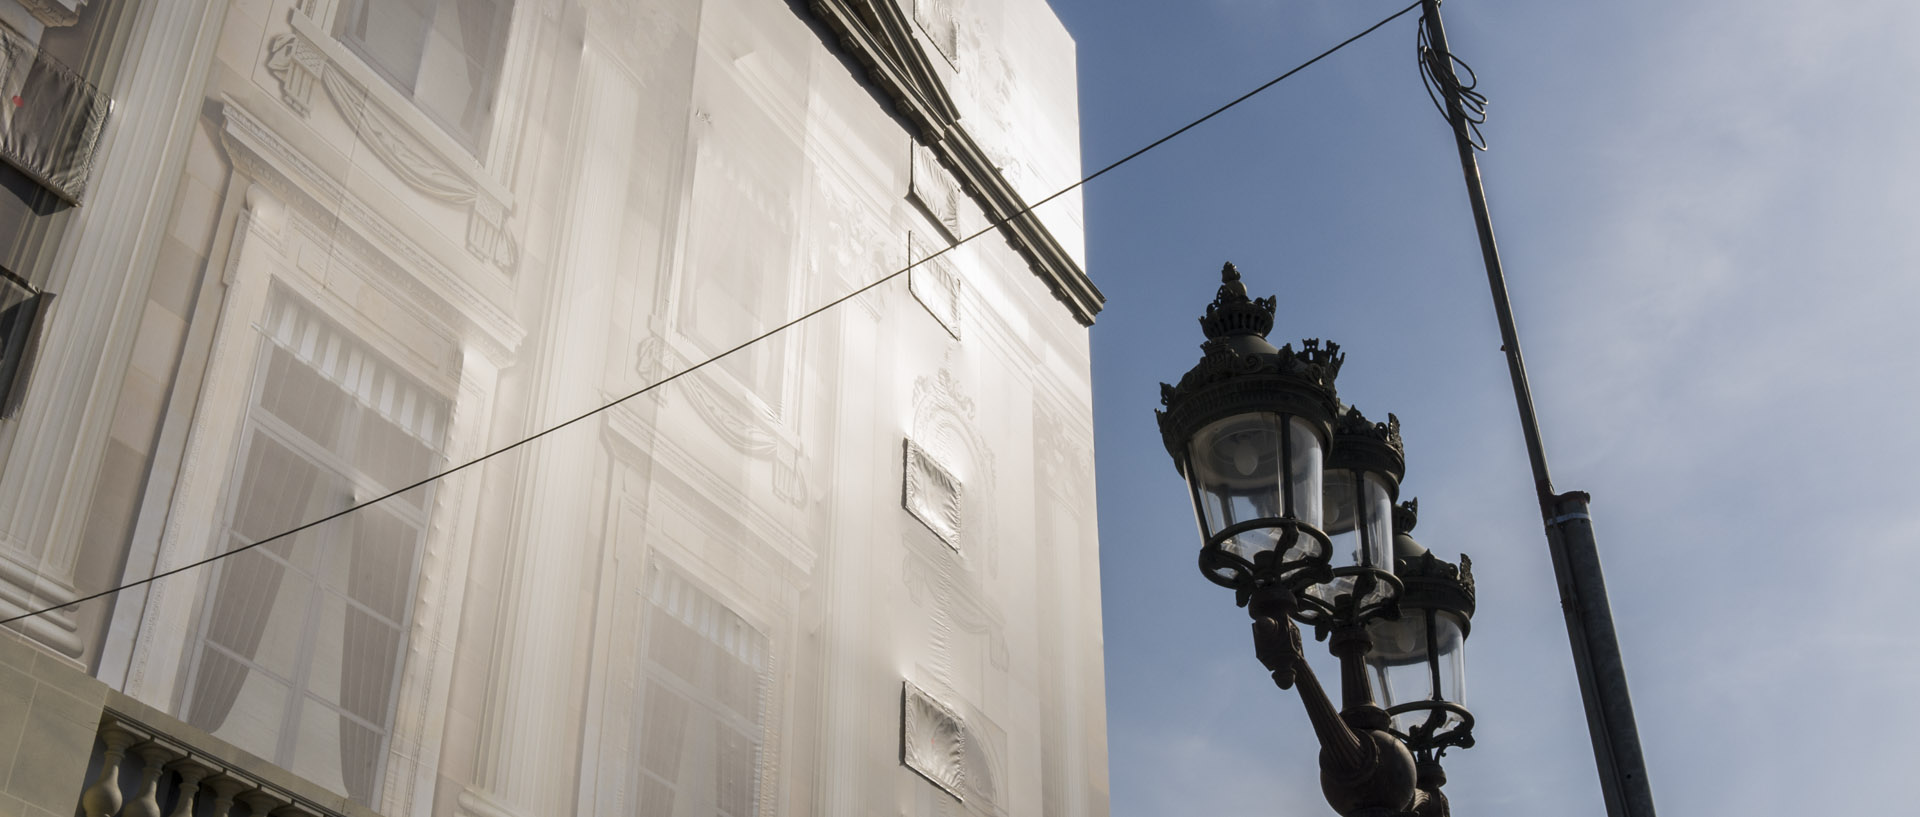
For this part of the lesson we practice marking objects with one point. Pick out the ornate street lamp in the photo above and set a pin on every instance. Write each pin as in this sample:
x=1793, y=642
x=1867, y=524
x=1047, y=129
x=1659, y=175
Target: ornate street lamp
x=1418, y=659
x=1362, y=480
x=1248, y=427
x=1294, y=497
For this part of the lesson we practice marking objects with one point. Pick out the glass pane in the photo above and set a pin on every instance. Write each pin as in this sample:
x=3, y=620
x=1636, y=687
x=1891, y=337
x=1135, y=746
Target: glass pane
x=457, y=64
x=1235, y=463
x=390, y=33
x=1375, y=524
x=663, y=730
x=316, y=756
x=299, y=396
x=1339, y=506
x=736, y=773
x=1234, y=467
x=392, y=457
x=258, y=707
x=1451, y=646
x=259, y=611
x=375, y=567
x=1398, y=660
x=279, y=491
x=369, y=665
x=1308, y=457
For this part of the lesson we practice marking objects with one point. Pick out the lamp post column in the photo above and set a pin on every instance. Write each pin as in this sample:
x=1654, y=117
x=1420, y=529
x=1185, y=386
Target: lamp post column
x=1576, y=558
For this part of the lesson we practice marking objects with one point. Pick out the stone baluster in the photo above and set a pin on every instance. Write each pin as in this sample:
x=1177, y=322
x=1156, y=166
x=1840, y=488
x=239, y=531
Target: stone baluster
x=155, y=756
x=103, y=798
x=224, y=789
x=262, y=802
x=191, y=773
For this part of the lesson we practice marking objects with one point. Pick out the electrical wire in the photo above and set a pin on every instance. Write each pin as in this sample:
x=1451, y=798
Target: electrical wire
x=996, y=224
x=1438, y=72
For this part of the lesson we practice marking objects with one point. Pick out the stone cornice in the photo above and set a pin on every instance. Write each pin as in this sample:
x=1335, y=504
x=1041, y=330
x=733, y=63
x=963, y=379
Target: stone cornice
x=877, y=34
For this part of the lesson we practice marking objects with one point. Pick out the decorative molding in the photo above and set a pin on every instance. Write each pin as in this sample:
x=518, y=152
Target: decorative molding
x=54, y=13
x=944, y=424
x=934, y=189
x=737, y=424
x=633, y=437
x=941, y=25
x=1063, y=456
x=874, y=33
x=933, y=740
x=24, y=587
x=302, y=185
x=936, y=284
x=932, y=495
x=956, y=596
x=306, y=57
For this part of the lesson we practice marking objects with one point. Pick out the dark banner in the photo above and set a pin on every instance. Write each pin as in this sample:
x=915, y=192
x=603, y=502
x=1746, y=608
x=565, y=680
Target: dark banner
x=50, y=117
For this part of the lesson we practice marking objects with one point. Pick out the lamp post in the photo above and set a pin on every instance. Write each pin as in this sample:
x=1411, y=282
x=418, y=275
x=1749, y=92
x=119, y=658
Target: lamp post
x=1294, y=495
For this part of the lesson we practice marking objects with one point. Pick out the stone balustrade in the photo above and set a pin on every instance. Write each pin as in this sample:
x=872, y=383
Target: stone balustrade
x=138, y=770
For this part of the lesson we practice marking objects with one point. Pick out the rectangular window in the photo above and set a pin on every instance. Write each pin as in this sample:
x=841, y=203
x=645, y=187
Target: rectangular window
x=445, y=54
x=703, y=711
x=301, y=639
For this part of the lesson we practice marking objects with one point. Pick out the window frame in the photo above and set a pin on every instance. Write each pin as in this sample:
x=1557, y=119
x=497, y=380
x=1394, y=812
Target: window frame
x=259, y=421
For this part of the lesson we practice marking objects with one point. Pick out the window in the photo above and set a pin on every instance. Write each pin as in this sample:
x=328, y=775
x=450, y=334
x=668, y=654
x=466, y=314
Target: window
x=301, y=640
x=703, y=713
x=443, y=53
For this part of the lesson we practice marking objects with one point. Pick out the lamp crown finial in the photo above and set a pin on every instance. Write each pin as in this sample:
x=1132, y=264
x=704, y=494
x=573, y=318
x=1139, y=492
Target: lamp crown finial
x=1233, y=313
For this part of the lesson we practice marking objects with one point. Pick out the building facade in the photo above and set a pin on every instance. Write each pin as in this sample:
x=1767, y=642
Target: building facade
x=272, y=259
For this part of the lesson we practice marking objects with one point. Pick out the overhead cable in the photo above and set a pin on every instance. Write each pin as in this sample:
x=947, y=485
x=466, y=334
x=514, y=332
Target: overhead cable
x=993, y=225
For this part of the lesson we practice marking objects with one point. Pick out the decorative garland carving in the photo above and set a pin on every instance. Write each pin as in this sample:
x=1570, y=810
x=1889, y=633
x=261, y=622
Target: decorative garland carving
x=263, y=156
x=656, y=359
x=300, y=63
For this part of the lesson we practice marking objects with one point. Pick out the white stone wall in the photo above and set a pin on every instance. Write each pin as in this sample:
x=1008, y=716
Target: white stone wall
x=726, y=596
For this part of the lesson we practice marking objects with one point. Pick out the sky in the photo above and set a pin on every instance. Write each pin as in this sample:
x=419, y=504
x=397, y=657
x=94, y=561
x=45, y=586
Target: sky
x=1706, y=214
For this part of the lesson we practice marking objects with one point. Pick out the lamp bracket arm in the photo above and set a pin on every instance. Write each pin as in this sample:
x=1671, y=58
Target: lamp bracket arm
x=1344, y=752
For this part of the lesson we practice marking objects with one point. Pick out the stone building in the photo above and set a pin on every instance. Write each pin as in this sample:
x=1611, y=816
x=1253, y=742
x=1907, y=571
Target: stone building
x=266, y=260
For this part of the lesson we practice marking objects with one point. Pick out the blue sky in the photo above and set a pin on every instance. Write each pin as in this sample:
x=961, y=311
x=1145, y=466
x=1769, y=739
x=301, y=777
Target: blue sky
x=1707, y=214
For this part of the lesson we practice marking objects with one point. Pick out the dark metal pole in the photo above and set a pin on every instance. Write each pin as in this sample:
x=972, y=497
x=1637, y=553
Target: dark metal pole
x=1570, y=541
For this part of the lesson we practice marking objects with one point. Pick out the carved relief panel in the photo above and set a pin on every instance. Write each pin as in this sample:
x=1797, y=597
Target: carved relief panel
x=936, y=282
x=937, y=20
x=932, y=740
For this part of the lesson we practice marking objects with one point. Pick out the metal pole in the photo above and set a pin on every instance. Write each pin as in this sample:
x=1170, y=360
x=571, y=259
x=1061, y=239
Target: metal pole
x=1570, y=541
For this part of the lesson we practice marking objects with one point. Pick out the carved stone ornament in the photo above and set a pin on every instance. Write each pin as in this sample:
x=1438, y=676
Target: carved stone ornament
x=932, y=495
x=937, y=19
x=738, y=425
x=933, y=741
x=936, y=191
x=302, y=60
x=936, y=284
